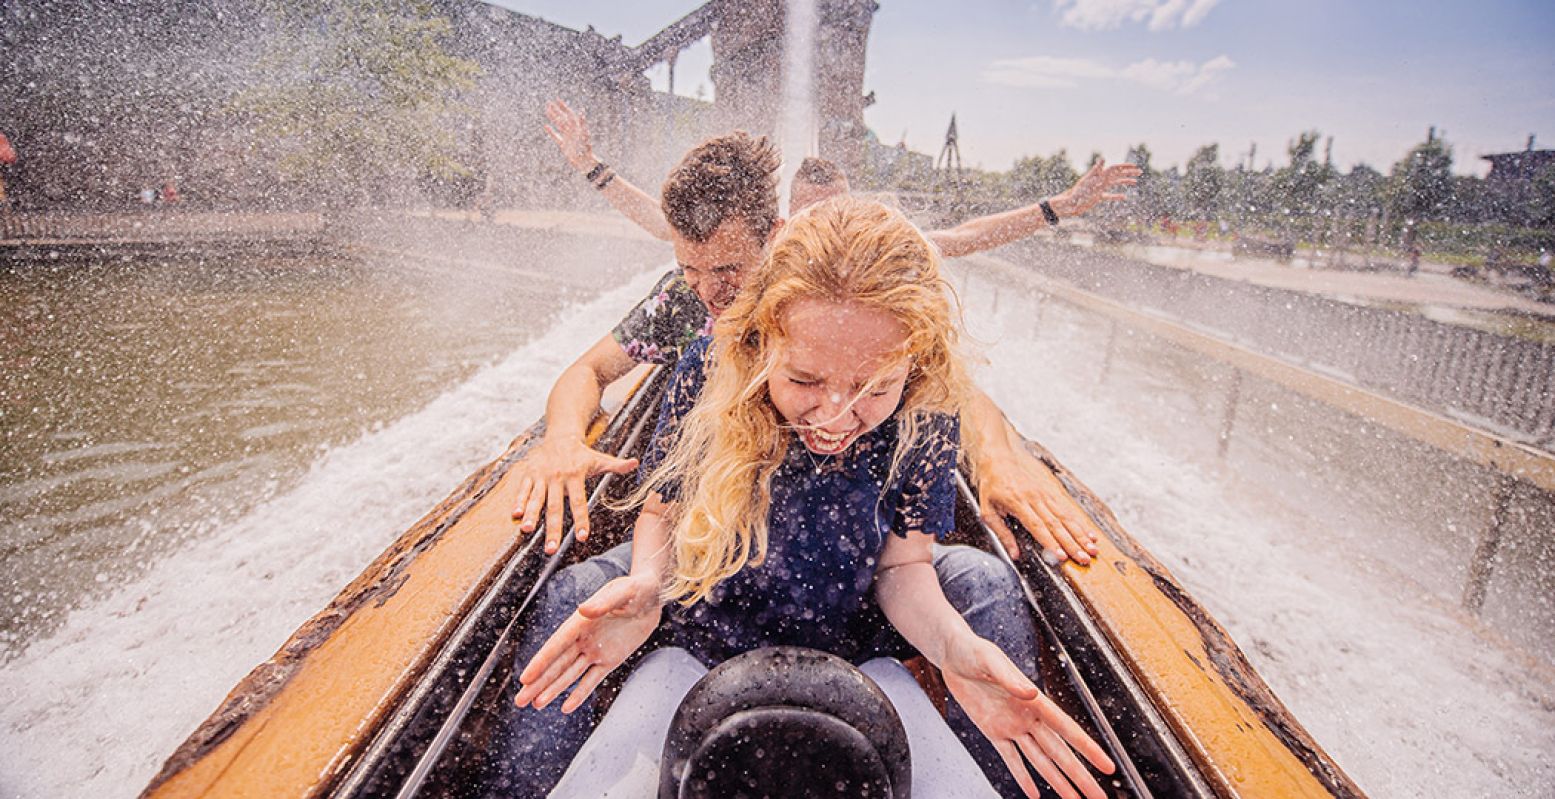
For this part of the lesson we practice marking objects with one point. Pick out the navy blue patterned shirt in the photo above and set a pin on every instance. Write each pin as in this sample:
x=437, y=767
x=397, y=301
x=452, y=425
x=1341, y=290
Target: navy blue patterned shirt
x=827, y=527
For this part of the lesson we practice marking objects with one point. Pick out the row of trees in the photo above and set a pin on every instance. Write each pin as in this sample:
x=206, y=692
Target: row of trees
x=1307, y=199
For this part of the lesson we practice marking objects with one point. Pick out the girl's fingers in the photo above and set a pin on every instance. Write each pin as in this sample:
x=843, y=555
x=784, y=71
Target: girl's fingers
x=1038, y=528
x=568, y=677
x=563, y=642
x=1064, y=758
x=548, y=664
x=1017, y=767
x=1044, y=766
x=591, y=680
x=1076, y=522
x=1066, y=540
x=544, y=670
x=578, y=500
x=613, y=596
x=1075, y=736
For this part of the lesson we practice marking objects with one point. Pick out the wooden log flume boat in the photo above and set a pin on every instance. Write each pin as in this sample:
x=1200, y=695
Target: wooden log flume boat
x=393, y=689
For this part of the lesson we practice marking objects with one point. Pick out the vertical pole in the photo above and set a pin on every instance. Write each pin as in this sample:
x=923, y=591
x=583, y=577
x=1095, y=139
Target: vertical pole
x=1228, y=420
x=1106, y=358
x=1483, y=564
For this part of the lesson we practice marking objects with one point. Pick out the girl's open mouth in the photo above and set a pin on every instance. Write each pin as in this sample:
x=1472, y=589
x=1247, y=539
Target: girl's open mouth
x=823, y=443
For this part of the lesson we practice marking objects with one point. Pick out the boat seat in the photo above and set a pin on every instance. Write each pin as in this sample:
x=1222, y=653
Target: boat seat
x=789, y=722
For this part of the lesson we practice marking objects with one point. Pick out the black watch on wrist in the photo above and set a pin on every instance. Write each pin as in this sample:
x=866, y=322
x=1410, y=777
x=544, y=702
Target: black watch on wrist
x=1048, y=213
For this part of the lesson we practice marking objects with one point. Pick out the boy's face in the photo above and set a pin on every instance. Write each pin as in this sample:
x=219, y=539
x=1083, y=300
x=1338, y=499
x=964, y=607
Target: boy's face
x=840, y=373
x=715, y=269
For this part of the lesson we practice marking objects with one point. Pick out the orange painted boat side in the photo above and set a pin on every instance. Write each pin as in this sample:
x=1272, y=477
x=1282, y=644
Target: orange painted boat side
x=291, y=727
x=297, y=721
x=1244, y=740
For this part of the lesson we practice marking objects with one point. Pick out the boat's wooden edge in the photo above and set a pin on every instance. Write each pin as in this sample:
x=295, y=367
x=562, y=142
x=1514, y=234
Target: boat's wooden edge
x=281, y=766
x=1245, y=740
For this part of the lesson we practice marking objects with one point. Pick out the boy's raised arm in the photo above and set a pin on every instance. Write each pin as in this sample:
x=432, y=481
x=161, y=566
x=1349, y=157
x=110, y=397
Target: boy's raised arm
x=570, y=131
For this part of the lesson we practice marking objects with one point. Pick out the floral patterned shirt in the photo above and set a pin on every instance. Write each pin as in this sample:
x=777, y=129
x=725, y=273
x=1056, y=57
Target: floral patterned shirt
x=664, y=323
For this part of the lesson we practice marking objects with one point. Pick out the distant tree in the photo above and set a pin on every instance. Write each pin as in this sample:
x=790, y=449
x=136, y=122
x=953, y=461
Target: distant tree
x=1203, y=181
x=1149, y=202
x=1300, y=184
x=1360, y=192
x=361, y=97
x=1420, y=187
x=1139, y=155
x=1033, y=178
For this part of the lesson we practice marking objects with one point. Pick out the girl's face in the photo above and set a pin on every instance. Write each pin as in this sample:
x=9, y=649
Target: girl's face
x=822, y=381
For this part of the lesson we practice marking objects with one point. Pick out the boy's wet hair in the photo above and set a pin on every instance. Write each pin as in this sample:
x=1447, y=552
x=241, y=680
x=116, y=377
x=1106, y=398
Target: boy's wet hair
x=735, y=175
x=819, y=171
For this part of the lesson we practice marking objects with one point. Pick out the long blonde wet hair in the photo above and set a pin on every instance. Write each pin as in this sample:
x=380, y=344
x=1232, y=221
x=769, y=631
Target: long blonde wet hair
x=844, y=250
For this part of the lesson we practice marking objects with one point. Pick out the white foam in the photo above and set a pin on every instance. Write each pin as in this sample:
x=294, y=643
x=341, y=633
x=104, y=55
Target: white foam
x=1410, y=696
x=94, y=709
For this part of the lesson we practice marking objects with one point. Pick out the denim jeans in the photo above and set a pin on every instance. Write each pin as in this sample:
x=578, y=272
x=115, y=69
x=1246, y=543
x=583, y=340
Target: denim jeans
x=537, y=745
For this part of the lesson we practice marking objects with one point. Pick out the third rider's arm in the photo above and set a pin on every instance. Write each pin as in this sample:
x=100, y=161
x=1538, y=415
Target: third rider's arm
x=993, y=230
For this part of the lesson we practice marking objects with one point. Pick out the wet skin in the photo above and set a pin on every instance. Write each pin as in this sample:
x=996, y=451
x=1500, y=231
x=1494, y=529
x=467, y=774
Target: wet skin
x=715, y=268
x=840, y=373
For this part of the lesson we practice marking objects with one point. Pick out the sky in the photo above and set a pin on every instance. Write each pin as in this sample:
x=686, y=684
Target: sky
x=1031, y=78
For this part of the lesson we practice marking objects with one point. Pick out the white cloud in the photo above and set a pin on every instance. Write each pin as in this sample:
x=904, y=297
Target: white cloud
x=1043, y=72
x=1160, y=15
x=1180, y=77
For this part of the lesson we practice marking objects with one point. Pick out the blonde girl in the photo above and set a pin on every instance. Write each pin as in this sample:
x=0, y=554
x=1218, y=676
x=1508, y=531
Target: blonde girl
x=802, y=468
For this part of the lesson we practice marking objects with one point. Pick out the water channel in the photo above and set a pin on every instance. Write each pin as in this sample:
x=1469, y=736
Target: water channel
x=198, y=455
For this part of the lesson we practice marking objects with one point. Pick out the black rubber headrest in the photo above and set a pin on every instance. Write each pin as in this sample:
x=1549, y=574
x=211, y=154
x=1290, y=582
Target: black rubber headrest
x=785, y=722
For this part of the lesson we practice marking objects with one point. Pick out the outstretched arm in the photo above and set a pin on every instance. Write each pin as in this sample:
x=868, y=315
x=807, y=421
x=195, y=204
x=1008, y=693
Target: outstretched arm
x=554, y=471
x=1099, y=183
x=1001, y=701
x=1012, y=483
x=606, y=629
x=570, y=131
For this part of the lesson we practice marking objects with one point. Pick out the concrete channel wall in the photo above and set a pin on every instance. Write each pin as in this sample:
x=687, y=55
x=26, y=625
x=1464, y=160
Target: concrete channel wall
x=1500, y=383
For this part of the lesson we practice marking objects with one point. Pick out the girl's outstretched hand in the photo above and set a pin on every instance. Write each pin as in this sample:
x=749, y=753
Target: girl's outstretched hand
x=1019, y=720
x=592, y=642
